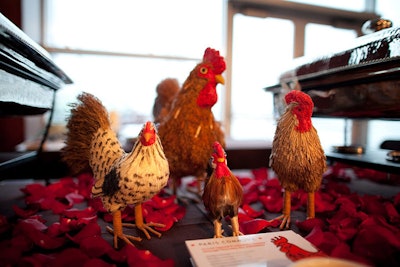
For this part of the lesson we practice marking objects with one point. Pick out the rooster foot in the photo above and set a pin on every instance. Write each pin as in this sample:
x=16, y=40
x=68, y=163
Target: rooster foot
x=219, y=234
x=146, y=228
x=126, y=238
x=285, y=224
x=235, y=232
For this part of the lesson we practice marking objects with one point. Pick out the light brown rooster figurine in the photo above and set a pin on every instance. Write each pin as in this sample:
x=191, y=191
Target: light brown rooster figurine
x=121, y=178
x=223, y=193
x=297, y=156
x=190, y=129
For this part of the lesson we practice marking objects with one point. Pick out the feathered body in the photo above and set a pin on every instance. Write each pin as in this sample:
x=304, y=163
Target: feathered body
x=190, y=129
x=223, y=193
x=297, y=156
x=121, y=178
x=166, y=90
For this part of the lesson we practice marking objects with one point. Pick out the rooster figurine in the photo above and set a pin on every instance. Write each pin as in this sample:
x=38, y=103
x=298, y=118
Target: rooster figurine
x=297, y=156
x=189, y=130
x=166, y=93
x=121, y=178
x=223, y=193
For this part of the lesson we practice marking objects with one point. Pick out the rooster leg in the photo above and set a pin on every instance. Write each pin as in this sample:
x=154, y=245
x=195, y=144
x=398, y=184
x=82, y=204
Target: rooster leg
x=145, y=228
x=235, y=226
x=311, y=205
x=286, y=211
x=117, y=231
x=217, y=229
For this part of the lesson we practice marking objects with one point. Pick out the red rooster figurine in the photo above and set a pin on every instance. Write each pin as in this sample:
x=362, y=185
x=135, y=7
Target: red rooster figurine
x=189, y=129
x=121, y=178
x=223, y=193
x=297, y=156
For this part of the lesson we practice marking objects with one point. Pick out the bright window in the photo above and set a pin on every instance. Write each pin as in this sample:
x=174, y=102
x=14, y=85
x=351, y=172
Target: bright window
x=119, y=50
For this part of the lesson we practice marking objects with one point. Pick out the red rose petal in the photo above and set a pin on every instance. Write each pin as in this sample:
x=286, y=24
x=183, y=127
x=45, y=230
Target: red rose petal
x=244, y=180
x=144, y=258
x=39, y=238
x=179, y=213
x=98, y=263
x=159, y=202
x=346, y=229
x=251, y=212
x=272, y=204
x=77, y=214
x=25, y=213
x=250, y=197
x=4, y=225
x=243, y=217
x=89, y=230
x=256, y=225
x=95, y=246
x=159, y=217
x=343, y=251
x=377, y=244
x=74, y=198
x=36, y=260
x=260, y=174
x=70, y=257
x=308, y=225
x=391, y=213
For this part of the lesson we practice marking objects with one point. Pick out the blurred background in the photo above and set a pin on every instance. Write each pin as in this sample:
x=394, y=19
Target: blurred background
x=120, y=50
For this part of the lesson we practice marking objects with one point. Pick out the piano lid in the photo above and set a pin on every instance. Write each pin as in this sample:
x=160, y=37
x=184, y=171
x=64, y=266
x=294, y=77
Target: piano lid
x=361, y=81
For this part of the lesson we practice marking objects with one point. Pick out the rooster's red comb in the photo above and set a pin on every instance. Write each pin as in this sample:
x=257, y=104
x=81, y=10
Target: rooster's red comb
x=212, y=56
x=218, y=150
x=299, y=97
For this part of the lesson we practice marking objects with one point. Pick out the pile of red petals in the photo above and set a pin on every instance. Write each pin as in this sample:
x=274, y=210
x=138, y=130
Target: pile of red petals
x=364, y=228
x=75, y=239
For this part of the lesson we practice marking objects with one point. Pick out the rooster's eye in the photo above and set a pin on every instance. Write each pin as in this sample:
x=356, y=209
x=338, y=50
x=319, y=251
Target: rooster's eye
x=203, y=70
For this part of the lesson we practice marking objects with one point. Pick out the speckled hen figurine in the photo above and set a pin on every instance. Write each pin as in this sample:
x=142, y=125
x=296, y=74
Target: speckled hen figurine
x=297, y=156
x=121, y=178
x=223, y=193
x=189, y=130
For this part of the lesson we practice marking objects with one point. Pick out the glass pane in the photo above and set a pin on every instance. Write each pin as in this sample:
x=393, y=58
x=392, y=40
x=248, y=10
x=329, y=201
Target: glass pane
x=262, y=49
x=353, y=5
x=381, y=130
x=321, y=39
x=124, y=84
x=157, y=27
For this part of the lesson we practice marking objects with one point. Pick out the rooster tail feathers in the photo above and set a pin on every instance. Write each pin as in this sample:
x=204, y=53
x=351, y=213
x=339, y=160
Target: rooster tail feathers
x=85, y=119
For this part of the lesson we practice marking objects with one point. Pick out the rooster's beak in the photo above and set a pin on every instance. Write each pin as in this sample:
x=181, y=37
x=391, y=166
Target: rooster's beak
x=147, y=136
x=219, y=79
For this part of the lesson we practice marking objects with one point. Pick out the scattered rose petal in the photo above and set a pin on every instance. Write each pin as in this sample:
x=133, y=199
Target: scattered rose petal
x=272, y=204
x=251, y=212
x=308, y=225
x=159, y=217
x=256, y=225
x=25, y=213
x=89, y=230
x=159, y=202
x=95, y=246
x=38, y=237
x=144, y=258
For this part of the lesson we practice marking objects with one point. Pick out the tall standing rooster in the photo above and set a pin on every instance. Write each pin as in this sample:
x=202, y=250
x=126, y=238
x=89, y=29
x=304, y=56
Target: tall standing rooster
x=223, y=193
x=120, y=178
x=189, y=129
x=297, y=156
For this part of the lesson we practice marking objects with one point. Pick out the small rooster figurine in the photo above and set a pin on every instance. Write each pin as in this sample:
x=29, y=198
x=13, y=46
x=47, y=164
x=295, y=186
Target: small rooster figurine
x=166, y=93
x=297, y=156
x=189, y=129
x=223, y=193
x=121, y=178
